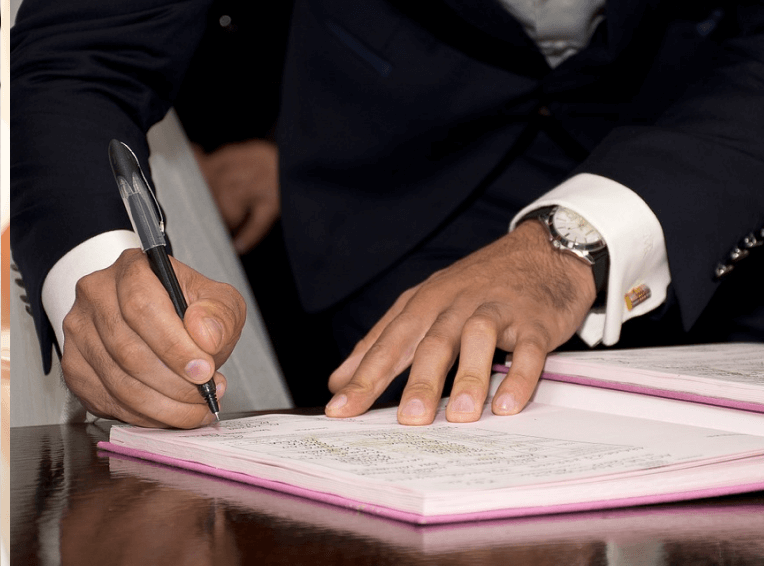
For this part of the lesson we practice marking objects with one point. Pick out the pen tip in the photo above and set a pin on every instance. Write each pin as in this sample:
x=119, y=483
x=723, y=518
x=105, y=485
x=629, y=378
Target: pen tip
x=217, y=416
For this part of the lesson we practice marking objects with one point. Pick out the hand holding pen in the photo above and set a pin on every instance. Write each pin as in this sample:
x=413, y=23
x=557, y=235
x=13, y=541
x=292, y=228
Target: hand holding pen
x=128, y=355
x=145, y=216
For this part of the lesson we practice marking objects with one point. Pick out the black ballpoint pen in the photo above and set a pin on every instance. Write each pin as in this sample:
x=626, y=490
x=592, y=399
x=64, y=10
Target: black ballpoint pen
x=145, y=215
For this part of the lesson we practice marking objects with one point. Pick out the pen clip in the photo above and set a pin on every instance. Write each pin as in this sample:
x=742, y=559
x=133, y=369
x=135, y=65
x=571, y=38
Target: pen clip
x=141, y=203
x=157, y=208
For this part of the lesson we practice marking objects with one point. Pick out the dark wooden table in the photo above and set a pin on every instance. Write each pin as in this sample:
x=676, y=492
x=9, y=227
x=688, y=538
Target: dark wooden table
x=72, y=504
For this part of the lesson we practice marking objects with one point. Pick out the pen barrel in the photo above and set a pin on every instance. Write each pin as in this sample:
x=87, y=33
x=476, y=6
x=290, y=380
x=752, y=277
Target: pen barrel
x=160, y=265
x=162, y=268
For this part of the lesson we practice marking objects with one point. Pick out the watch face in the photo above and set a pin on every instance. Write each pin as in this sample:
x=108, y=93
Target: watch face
x=575, y=230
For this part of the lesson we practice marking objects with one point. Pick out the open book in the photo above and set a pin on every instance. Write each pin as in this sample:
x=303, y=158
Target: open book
x=573, y=448
x=730, y=375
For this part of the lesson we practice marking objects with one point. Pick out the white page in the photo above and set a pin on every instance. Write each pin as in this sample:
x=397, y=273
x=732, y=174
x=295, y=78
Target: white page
x=741, y=364
x=627, y=404
x=379, y=461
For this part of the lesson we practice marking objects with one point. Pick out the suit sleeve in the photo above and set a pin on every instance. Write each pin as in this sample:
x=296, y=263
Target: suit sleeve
x=82, y=73
x=700, y=166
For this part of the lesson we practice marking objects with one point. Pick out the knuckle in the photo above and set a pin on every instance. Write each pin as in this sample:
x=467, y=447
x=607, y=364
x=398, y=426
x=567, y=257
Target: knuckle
x=170, y=346
x=406, y=321
x=128, y=355
x=436, y=340
x=423, y=388
x=435, y=276
x=490, y=311
x=87, y=286
x=136, y=306
x=72, y=323
x=471, y=379
x=183, y=392
x=379, y=352
x=360, y=386
x=480, y=325
x=443, y=334
x=535, y=335
x=364, y=344
x=447, y=318
x=408, y=293
x=127, y=264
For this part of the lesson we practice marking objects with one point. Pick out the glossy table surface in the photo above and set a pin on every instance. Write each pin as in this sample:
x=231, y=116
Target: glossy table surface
x=73, y=504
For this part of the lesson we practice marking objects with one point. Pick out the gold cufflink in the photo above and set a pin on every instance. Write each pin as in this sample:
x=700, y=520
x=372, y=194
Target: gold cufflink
x=637, y=295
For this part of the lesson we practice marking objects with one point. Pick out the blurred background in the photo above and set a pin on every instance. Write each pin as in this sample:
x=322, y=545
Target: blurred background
x=5, y=254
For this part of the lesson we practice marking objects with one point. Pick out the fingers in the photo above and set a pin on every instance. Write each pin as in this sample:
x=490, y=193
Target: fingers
x=112, y=393
x=388, y=356
x=145, y=307
x=516, y=389
x=262, y=216
x=243, y=179
x=128, y=355
x=478, y=344
x=434, y=357
x=343, y=374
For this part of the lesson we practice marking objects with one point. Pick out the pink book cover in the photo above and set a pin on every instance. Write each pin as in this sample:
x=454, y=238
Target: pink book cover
x=409, y=517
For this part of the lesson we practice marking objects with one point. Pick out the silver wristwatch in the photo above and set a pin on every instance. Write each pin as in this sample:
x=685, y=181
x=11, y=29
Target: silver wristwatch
x=570, y=232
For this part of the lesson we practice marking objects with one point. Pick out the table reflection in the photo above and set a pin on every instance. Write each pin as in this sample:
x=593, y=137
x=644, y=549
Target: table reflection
x=99, y=508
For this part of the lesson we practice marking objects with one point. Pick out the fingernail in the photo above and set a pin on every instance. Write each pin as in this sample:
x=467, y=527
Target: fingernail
x=215, y=330
x=209, y=419
x=413, y=408
x=506, y=403
x=463, y=404
x=198, y=369
x=337, y=402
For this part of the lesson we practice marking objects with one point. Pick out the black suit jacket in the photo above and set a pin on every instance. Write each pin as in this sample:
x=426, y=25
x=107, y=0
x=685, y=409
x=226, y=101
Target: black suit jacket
x=394, y=114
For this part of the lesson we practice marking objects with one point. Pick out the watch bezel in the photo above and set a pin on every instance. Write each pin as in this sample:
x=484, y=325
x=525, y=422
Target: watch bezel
x=563, y=242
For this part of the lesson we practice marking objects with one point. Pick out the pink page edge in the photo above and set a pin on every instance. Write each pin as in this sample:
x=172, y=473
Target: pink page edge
x=409, y=517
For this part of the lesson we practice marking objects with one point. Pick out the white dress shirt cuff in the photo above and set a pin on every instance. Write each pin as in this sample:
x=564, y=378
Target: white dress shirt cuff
x=99, y=252
x=636, y=247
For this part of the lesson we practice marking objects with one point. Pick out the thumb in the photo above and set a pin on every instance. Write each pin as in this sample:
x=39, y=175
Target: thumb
x=216, y=313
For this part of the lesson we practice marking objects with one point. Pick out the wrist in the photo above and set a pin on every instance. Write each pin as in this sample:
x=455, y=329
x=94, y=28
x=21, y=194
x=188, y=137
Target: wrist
x=578, y=273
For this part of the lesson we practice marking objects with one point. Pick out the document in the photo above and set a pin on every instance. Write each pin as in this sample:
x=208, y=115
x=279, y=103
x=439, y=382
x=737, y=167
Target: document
x=729, y=375
x=547, y=459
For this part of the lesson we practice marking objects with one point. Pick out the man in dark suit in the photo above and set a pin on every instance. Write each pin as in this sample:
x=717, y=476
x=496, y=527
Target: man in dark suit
x=409, y=137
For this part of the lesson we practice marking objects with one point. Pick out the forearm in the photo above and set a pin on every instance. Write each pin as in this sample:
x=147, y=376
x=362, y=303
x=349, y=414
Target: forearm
x=82, y=74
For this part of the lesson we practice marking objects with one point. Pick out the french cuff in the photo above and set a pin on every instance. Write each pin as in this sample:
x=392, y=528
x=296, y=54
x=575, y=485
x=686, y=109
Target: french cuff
x=99, y=252
x=639, y=272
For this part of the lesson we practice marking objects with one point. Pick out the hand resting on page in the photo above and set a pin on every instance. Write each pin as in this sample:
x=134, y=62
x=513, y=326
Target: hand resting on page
x=518, y=294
